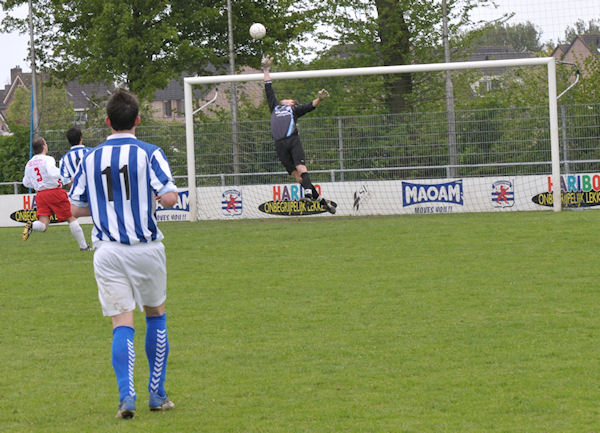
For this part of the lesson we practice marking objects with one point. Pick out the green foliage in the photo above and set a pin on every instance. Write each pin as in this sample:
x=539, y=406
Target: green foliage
x=522, y=37
x=351, y=95
x=390, y=32
x=145, y=43
x=376, y=28
x=55, y=109
x=14, y=154
x=586, y=90
x=411, y=324
x=19, y=111
x=55, y=112
x=581, y=28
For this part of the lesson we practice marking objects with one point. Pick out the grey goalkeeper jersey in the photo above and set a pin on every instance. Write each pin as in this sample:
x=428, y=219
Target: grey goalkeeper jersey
x=284, y=117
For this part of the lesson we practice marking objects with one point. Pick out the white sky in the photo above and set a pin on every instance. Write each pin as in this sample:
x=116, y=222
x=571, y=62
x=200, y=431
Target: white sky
x=550, y=16
x=14, y=49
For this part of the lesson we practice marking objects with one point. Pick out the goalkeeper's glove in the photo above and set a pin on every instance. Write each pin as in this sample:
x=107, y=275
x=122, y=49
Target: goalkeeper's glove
x=266, y=62
x=323, y=94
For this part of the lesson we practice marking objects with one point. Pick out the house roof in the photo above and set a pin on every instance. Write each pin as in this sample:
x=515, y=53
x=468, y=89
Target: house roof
x=19, y=80
x=174, y=90
x=560, y=48
x=592, y=41
x=83, y=95
x=497, y=52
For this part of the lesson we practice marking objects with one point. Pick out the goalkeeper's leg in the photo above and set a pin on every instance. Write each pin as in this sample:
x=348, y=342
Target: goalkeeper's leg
x=310, y=192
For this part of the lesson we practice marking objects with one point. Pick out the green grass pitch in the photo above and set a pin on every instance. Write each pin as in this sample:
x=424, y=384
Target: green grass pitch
x=415, y=324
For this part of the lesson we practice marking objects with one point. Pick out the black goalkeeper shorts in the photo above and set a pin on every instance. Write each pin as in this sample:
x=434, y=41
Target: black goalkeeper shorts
x=290, y=152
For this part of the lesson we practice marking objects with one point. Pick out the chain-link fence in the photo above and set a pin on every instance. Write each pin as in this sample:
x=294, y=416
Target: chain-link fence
x=403, y=146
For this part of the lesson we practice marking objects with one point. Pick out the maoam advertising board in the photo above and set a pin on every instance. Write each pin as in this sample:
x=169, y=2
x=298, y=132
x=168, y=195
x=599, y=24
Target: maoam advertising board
x=17, y=209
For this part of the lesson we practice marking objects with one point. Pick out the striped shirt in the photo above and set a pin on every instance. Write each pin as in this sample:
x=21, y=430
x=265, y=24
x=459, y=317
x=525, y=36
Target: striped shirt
x=70, y=160
x=119, y=180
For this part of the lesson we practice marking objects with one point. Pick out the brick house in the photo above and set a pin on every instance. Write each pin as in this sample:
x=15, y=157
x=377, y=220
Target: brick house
x=168, y=103
x=17, y=79
x=82, y=96
x=578, y=50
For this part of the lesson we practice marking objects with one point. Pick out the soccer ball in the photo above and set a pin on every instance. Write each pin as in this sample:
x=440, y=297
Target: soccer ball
x=257, y=31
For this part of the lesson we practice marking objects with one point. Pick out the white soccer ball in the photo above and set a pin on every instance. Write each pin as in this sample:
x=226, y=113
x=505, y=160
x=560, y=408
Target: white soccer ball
x=257, y=31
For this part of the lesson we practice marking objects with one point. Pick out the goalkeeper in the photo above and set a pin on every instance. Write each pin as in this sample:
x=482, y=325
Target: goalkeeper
x=284, y=117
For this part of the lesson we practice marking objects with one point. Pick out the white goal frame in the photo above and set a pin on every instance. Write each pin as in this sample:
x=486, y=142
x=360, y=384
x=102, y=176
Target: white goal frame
x=376, y=70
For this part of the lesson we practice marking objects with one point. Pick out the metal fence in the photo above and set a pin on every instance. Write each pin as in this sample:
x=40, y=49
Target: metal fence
x=508, y=141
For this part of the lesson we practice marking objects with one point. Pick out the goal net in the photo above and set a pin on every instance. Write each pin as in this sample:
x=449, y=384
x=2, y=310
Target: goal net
x=495, y=159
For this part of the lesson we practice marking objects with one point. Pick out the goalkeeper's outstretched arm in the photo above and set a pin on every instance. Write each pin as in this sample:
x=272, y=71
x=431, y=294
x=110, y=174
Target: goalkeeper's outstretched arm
x=266, y=67
x=323, y=94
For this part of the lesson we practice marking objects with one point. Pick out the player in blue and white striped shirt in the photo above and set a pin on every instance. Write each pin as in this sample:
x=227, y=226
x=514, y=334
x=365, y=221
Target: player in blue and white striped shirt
x=70, y=161
x=118, y=183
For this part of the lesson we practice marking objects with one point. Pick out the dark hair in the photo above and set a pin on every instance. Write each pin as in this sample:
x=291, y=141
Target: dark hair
x=74, y=136
x=122, y=109
x=294, y=101
x=38, y=145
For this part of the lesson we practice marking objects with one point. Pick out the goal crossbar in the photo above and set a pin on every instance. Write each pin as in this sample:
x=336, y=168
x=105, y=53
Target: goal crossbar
x=550, y=62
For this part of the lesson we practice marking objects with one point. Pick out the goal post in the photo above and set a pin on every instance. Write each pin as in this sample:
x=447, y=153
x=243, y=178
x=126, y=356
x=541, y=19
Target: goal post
x=549, y=62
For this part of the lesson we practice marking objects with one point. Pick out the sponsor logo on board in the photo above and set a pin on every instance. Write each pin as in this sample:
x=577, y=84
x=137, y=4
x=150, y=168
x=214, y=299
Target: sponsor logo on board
x=417, y=193
x=503, y=194
x=29, y=211
x=287, y=201
x=361, y=197
x=577, y=191
x=231, y=204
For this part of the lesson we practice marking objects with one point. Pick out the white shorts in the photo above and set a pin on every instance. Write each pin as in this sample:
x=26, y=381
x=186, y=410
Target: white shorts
x=130, y=274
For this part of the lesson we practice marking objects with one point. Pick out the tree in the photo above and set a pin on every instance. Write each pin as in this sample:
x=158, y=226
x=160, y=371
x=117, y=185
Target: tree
x=395, y=47
x=14, y=154
x=581, y=28
x=142, y=44
x=55, y=110
x=586, y=91
x=391, y=32
x=54, y=107
x=19, y=111
x=523, y=37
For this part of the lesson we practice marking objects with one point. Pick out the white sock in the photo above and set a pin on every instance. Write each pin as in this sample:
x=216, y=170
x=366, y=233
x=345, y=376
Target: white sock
x=38, y=226
x=78, y=234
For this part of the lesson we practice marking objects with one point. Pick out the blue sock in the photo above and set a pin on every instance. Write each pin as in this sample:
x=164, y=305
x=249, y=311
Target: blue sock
x=123, y=358
x=157, y=351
